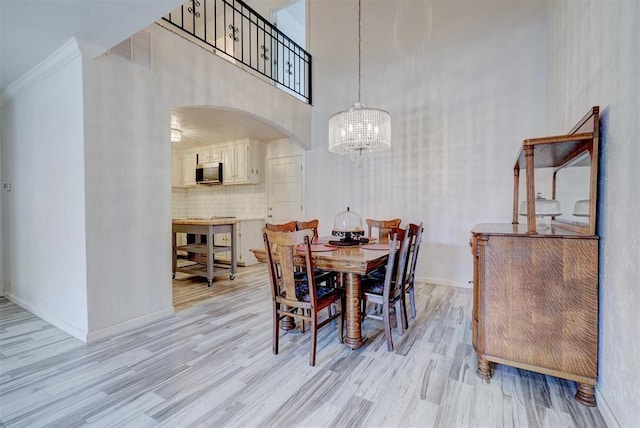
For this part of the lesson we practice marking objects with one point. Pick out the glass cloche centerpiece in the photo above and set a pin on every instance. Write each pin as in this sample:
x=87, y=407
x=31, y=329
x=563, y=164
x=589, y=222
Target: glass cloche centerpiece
x=348, y=226
x=545, y=209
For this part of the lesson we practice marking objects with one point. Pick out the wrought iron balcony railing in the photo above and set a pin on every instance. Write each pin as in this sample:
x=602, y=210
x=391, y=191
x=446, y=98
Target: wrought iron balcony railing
x=236, y=31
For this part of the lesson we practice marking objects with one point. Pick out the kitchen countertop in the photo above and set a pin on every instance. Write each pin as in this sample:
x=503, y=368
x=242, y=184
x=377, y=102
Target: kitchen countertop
x=205, y=222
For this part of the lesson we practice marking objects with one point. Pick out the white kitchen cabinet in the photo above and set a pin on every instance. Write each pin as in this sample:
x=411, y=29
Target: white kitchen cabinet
x=242, y=163
x=176, y=170
x=224, y=240
x=189, y=169
x=249, y=235
x=208, y=154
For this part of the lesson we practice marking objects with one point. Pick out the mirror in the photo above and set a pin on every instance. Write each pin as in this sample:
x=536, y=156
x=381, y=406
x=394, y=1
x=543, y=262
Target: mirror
x=572, y=190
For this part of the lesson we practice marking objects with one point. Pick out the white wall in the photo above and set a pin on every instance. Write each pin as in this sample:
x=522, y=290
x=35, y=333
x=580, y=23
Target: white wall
x=243, y=201
x=87, y=225
x=290, y=19
x=460, y=111
x=1, y=217
x=128, y=158
x=594, y=60
x=44, y=227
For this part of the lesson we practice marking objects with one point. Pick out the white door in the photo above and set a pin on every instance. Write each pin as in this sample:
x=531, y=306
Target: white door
x=284, y=189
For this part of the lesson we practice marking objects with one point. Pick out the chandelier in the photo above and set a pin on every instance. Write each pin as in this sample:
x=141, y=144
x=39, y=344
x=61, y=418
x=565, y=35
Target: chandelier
x=360, y=130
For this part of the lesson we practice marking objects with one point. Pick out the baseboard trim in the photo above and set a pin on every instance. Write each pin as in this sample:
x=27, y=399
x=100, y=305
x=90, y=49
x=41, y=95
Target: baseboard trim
x=70, y=329
x=89, y=337
x=442, y=281
x=605, y=410
x=126, y=326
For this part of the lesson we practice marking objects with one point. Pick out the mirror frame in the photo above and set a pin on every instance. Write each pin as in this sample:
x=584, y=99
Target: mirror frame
x=589, y=123
x=582, y=226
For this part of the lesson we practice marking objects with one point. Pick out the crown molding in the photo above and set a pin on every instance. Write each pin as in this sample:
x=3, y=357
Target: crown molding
x=68, y=52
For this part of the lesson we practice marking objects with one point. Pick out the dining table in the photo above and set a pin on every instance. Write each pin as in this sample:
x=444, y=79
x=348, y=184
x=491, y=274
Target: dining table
x=352, y=261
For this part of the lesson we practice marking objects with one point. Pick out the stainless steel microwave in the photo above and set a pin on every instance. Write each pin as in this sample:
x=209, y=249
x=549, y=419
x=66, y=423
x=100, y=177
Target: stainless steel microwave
x=209, y=173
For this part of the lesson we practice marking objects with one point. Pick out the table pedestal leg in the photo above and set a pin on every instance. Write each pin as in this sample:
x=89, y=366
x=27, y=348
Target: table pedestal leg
x=287, y=323
x=353, y=338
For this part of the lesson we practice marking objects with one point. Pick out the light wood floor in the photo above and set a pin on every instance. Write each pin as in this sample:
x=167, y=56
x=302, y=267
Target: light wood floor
x=211, y=365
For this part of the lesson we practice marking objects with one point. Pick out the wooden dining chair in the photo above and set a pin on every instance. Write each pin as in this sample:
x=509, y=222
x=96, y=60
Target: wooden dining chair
x=388, y=292
x=311, y=224
x=379, y=273
x=382, y=228
x=284, y=227
x=415, y=234
x=301, y=300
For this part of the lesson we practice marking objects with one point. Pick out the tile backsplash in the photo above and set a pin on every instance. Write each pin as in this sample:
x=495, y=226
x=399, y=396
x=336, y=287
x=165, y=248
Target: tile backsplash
x=248, y=201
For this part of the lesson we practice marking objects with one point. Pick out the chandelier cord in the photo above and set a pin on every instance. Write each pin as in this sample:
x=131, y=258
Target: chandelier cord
x=359, y=49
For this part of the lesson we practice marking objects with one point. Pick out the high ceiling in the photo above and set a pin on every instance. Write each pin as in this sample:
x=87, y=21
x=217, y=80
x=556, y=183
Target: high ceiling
x=31, y=30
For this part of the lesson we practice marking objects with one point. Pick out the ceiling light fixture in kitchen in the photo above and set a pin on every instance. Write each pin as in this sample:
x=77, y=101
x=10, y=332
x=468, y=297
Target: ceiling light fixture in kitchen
x=176, y=135
x=360, y=130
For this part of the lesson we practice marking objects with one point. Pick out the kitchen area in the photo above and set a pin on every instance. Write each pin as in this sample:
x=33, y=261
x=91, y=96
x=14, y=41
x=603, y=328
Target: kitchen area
x=218, y=194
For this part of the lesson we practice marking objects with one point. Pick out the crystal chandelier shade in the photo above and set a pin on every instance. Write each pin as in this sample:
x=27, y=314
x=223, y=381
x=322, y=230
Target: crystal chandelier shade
x=360, y=130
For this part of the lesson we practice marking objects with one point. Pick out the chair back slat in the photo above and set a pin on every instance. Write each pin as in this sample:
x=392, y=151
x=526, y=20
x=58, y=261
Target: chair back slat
x=415, y=230
x=387, y=291
x=398, y=273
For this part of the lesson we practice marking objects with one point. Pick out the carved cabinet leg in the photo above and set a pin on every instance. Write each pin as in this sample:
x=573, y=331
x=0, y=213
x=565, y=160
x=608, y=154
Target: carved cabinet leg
x=586, y=395
x=484, y=368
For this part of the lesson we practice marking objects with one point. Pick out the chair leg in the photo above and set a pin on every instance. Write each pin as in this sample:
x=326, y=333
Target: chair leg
x=276, y=327
x=403, y=311
x=412, y=302
x=401, y=316
x=341, y=320
x=387, y=326
x=314, y=337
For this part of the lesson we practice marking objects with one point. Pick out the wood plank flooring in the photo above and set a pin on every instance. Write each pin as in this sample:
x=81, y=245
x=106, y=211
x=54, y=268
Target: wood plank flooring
x=211, y=365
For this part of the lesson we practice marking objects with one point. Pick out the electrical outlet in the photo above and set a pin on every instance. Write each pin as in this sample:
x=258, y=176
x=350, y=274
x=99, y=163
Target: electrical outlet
x=6, y=186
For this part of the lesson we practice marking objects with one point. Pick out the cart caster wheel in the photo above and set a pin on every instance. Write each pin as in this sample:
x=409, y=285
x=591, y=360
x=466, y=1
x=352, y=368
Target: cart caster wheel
x=209, y=283
x=232, y=277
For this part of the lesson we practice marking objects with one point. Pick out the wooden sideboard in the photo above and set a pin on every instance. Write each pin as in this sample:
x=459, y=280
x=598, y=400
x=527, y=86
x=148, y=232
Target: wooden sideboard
x=536, y=291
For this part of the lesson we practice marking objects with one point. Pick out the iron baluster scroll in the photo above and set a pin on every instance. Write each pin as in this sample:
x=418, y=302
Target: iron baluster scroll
x=240, y=34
